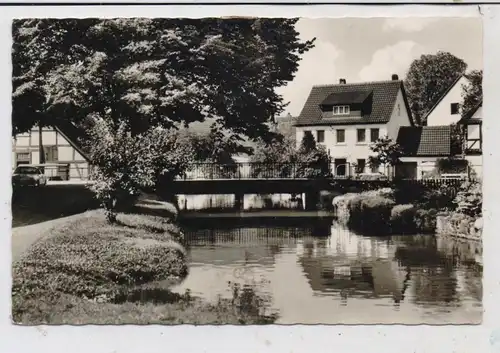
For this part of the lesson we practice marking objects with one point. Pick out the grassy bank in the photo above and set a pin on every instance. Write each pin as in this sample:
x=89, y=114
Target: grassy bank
x=87, y=271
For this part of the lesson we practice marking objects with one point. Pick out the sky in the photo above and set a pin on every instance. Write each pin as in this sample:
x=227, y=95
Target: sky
x=370, y=49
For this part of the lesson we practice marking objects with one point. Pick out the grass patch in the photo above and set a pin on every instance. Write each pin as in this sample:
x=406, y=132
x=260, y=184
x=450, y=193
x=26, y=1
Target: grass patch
x=172, y=309
x=88, y=271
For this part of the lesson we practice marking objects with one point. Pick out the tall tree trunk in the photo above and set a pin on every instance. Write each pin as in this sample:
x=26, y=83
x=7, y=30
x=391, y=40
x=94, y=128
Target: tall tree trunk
x=41, y=158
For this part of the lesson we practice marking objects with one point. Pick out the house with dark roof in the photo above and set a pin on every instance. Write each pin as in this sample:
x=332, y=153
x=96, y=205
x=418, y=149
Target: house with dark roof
x=64, y=157
x=347, y=118
x=422, y=146
x=472, y=124
x=447, y=110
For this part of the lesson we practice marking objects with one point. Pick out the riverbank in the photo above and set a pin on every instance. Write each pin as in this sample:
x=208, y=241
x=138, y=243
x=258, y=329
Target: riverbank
x=83, y=270
x=442, y=211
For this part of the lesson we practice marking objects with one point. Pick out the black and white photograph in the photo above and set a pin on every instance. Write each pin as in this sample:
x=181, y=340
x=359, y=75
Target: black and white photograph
x=247, y=171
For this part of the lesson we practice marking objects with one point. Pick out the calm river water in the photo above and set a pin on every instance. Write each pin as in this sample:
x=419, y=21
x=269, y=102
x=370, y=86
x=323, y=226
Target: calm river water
x=332, y=275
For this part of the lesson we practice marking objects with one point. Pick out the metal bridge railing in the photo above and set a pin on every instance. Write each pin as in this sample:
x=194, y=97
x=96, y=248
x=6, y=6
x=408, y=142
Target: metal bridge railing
x=250, y=170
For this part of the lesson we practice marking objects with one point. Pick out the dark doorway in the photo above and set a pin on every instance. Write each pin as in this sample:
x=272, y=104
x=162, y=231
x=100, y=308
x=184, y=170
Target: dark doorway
x=340, y=166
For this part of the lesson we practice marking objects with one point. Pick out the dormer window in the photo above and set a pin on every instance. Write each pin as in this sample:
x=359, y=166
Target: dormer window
x=341, y=110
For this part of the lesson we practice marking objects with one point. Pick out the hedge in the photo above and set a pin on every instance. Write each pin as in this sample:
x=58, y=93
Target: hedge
x=370, y=213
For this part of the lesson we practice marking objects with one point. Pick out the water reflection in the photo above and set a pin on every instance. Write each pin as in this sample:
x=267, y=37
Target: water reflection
x=340, y=277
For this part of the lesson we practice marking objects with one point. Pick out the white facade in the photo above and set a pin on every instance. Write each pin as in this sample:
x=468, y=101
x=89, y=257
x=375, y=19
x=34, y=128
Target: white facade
x=446, y=111
x=424, y=165
x=61, y=156
x=351, y=149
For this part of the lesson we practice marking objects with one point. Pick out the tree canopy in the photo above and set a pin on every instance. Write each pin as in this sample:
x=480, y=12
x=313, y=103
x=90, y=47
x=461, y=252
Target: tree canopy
x=472, y=92
x=386, y=152
x=139, y=73
x=427, y=80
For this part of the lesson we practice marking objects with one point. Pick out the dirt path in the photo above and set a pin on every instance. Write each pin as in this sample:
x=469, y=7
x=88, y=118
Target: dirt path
x=24, y=237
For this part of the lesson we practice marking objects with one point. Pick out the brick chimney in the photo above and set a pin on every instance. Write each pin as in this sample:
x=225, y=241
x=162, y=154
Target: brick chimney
x=395, y=77
x=342, y=81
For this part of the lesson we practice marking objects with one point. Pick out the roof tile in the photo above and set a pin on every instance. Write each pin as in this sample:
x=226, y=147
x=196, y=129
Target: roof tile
x=425, y=140
x=384, y=98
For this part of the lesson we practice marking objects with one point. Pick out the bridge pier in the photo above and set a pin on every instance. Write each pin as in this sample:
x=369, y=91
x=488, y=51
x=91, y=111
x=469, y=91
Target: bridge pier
x=238, y=201
x=312, y=200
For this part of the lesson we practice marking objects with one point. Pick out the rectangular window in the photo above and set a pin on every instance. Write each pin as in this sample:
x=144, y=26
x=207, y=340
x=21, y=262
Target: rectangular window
x=360, y=166
x=50, y=154
x=374, y=169
x=361, y=135
x=454, y=108
x=320, y=136
x=23, y=158
x=374, y=134
x=340, y=136
x=341, y=110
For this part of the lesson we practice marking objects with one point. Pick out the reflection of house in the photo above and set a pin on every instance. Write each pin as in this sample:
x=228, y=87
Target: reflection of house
x=422, y=146
x=371, y=278
x=352, y=265
x=63, y=156
x=347, y=118
x=472, y=124
x=447, y=110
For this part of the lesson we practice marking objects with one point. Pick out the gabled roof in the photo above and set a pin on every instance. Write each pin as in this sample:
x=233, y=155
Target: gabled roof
x=468, y=118
x=425, y=141
x=442, y=97
x=73, y=135
x=384, y=95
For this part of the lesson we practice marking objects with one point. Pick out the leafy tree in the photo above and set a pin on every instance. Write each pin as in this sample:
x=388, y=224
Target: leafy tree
x=133, y=76
x=308, y=142
x=427, y=80
x=128, y=164
x=215, y=147
x=148, y=72
x=387, y=152
x=278, y=151
x=309, y=160
x=472, y=92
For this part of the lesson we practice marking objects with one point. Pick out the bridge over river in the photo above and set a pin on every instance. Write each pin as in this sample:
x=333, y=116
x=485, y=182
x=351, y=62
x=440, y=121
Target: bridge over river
x=241, y=179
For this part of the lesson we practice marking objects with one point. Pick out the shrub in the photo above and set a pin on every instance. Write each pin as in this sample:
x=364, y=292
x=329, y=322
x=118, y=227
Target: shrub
x=370, y=213
x=440, y=198
x=125, y=164
x=426, y=196
x=469, y=199
x=451, y=165
x=403, y=218
x=425, y=220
